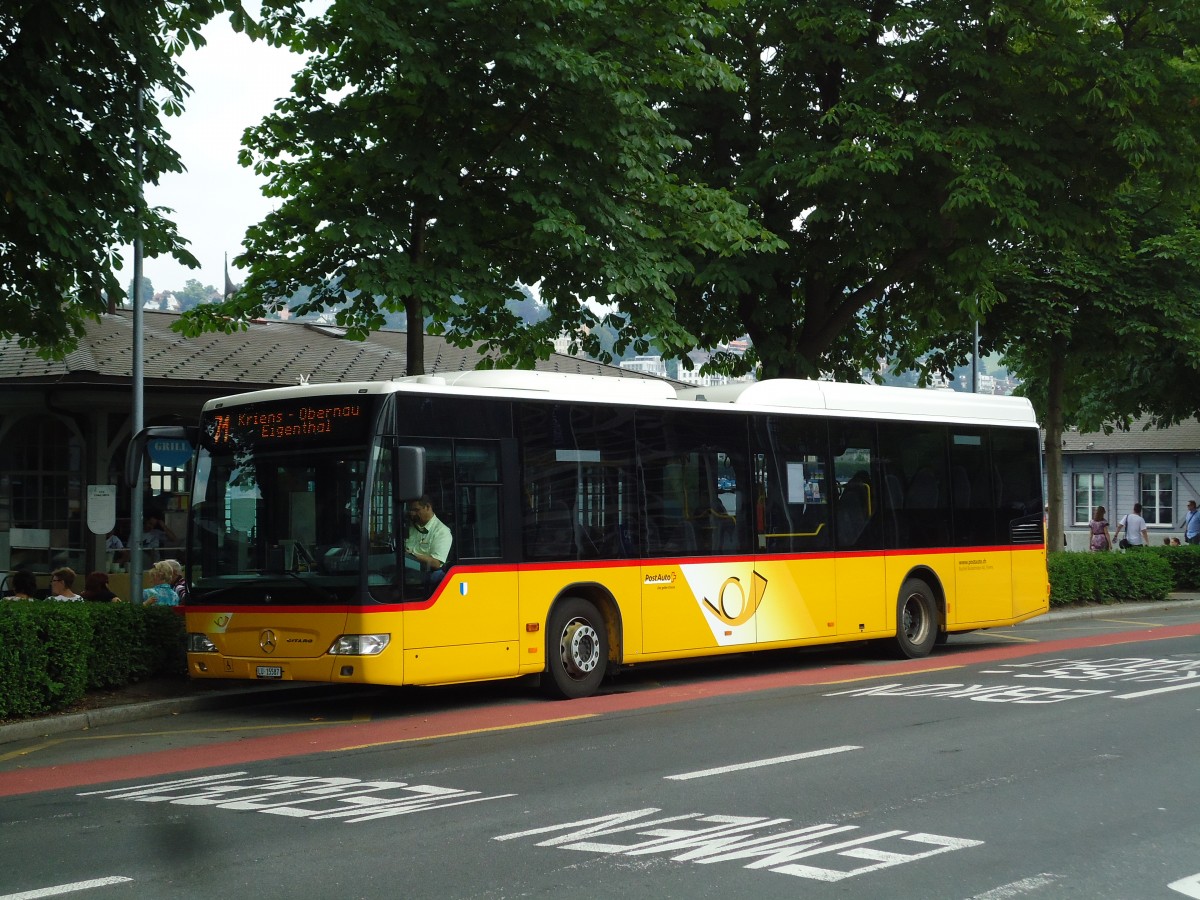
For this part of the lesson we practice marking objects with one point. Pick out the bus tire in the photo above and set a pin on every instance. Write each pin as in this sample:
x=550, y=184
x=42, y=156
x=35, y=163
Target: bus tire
x=576, y=650
x=917, y=621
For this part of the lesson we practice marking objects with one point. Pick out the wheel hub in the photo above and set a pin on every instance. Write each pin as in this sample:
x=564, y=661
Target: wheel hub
x=914, y=620
x=580, y=647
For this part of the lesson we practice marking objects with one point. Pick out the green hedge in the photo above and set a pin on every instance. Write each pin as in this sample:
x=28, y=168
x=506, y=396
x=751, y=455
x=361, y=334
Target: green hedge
x=52, y=653
x=1185, y=565
x=1135, y=575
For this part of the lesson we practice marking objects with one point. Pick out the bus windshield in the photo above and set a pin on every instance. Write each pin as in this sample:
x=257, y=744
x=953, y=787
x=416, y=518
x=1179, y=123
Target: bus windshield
x=278, y=500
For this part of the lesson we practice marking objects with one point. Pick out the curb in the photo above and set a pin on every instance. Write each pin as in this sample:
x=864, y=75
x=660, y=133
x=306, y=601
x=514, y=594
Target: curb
x=258, y=694
x=152, y=709
x=1173, y=601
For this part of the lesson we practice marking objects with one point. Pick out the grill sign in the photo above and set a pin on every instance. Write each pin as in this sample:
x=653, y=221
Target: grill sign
x=170, y=453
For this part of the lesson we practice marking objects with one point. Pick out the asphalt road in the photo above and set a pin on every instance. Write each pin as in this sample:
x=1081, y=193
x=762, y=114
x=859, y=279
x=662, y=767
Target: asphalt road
x=1053, y=760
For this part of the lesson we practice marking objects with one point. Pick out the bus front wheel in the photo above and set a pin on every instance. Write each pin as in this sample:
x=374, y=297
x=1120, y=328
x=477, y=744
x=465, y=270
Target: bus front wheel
x=917, y=622
x=576, y=650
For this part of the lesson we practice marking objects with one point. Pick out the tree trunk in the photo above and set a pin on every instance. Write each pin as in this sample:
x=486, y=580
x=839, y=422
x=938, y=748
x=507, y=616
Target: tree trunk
x=415, y=336
x=1055, y=527
x=414, y=308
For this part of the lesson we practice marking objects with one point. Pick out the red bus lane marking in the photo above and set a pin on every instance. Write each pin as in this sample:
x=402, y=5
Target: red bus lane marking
x=358, y=735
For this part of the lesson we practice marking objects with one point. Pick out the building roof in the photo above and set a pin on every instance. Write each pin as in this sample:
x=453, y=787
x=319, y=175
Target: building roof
x=1181, y=438
x=268, y=354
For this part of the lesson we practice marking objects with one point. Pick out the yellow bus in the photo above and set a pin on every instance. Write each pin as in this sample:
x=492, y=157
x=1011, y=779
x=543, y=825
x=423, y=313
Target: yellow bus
x=598, y=523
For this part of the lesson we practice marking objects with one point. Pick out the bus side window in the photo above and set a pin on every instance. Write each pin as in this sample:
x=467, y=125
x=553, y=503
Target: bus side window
x=477, y=512
x=916, y=455
x=792, y=486
x=858, y=500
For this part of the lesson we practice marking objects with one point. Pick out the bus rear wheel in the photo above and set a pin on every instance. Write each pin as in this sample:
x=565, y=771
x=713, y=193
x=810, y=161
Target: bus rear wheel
x=917, y=622
x=576, y=650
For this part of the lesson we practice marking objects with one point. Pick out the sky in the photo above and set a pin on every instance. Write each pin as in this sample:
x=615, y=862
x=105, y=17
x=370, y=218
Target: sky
x=235, y=83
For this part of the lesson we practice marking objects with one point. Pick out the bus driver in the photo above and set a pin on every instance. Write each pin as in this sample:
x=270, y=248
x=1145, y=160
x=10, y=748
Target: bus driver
x=429, y=539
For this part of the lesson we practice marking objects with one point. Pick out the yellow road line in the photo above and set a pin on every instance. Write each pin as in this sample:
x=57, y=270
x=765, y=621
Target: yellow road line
x=1013, y=637
x=446, y=734
x=1131, y=622
x=17, y=754
x=888, y=675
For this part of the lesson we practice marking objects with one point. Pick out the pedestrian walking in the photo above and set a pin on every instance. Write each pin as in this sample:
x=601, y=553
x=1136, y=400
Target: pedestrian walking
x=1191, y=524
x=1101, y=540
x=1135, y=529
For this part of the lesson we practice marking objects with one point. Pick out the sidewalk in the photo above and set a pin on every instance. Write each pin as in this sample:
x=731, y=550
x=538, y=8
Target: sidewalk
x=1181, y=599
x=248, y=693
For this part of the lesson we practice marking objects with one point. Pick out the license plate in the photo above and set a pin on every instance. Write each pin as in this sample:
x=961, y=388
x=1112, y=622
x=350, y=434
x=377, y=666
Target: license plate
x=270, y=672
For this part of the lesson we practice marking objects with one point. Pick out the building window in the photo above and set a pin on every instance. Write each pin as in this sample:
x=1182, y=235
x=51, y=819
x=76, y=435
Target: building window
x=164, y=480
x=1157, y=498
x=41, y=496
x=1089, y=493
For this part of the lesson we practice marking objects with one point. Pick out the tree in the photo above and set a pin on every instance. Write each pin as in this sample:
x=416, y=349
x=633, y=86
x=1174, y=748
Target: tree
x=434, y=157
x=145, y=295
x=896, y=147
x=1102, y=323
x=1103, y=334
x=194, y=294
x=71, y=72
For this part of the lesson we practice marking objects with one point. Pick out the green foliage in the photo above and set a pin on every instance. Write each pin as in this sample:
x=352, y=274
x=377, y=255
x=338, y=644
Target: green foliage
x=23, y=662
x=70, y=183
x=897, y=148
x=145, y=295
x=65, y=630
x=1097, y=314
x=1104, y=331
x=43, y=660
x=1136, y=575
x=51, y=653
x=432, y=158
x=193, y=293
x=131, y=643
x=837, y=180
x=162, y=651
x=1185, y=565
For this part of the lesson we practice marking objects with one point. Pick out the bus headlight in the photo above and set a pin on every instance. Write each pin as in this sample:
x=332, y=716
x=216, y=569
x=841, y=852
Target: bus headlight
x=198, y=642
x=360, y=644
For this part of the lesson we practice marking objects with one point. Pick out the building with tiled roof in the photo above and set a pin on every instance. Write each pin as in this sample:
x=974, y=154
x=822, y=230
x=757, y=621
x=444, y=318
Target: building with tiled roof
x=1158, y=468
x=64, y=424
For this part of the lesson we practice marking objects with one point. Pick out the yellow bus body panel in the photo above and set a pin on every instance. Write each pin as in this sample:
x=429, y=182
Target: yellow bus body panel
x=295, y=642
x=492, y=623
x=698, y=605
x=799, y=600
x=467, y=633
x=1031, y=583
x=863, y=590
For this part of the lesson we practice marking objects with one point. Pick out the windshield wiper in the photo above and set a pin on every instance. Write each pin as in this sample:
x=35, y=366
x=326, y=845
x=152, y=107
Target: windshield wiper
x=204, y=595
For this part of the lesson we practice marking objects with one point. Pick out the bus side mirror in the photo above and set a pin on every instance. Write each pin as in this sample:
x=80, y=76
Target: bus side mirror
x=410, y=472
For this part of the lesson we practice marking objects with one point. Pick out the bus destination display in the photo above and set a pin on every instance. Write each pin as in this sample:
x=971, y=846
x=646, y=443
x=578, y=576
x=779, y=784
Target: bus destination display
x=293, y=422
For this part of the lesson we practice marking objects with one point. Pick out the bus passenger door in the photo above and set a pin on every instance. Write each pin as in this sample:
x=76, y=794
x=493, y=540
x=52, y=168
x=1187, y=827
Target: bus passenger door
x=699, y=588
x=460, y=621
x=794, y=565
x=858, y=529
x=693, y=604
x=982, y=565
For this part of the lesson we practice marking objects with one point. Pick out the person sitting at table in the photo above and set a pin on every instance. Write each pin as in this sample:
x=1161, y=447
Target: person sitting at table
x=23, y=586
x=95, y=588
x=160, y=593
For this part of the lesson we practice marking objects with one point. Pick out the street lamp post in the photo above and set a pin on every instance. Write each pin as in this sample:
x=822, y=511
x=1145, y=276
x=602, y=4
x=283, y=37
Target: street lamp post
x=136, y=414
